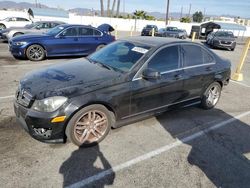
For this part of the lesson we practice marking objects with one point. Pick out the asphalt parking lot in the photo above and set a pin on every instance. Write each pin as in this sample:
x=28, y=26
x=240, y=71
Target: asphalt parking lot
x=185, y=148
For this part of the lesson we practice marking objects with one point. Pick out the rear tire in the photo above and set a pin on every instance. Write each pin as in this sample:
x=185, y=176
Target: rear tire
x=99, y=47
x=211, y=96
x=90, y=125
x=35, y=52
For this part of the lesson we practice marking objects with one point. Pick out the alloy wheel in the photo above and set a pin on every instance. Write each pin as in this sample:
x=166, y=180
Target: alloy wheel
x=35, y=53
x=213, y=95
x=91, y=127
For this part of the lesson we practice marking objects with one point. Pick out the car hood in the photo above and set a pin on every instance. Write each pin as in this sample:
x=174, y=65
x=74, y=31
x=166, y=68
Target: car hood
x=30, y=37
x=69, y=79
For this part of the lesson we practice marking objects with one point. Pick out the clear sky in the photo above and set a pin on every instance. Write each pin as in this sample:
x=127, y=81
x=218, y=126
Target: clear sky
x=213, y=7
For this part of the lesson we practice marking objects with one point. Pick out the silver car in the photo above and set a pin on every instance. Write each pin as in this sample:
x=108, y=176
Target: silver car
x=36, y=27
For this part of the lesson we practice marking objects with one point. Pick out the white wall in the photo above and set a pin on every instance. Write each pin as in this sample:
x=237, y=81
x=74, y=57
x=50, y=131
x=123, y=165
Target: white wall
x=120, y=24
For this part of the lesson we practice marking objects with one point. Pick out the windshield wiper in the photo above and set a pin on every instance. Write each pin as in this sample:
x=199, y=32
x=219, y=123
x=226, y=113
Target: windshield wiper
x=100, y=64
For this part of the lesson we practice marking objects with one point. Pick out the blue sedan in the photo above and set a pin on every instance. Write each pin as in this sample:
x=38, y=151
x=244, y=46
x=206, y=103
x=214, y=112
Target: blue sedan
x=63, y=40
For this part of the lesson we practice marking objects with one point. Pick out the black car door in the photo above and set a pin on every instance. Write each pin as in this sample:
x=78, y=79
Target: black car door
x=199, y=66
x=153, y=94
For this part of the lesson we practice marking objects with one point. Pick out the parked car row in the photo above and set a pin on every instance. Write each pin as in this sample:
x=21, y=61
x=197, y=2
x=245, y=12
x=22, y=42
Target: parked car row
x=164, y=32
x=42, y=39
x=218, y=39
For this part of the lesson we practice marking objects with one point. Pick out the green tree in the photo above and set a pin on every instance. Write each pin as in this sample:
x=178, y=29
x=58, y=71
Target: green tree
x=185, y=20
x=140, y=14
x=198, y=16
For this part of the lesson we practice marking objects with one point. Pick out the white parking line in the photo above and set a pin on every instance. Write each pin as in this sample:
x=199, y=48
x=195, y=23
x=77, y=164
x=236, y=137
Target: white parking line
x=155, y=152
x=7, y=97
x=242, y=84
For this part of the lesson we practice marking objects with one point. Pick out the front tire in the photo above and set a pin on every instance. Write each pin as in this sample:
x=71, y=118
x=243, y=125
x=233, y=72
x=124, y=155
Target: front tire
x=211, y=96
x=35, y=52
x=90, y=125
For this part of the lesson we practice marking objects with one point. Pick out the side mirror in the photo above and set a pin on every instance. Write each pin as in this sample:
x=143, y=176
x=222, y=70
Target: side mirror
x=151, y=74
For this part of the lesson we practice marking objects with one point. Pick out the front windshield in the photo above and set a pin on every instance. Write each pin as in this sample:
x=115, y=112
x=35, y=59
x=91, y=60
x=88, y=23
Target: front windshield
x=120, y=55
x=150, y=26
x=29, y=26
x=224, y=34
x=172, y=29
x=55, y=30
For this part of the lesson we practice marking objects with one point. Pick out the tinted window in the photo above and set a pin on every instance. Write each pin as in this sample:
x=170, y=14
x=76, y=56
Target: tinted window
x=97, y=33
x=192, y=55
x=195, y=55
x=43, y=25
x=224, y=34
x=69, y=32
x=54, y=25
x=84, y=31
x=22, y=19
x=207, y=58
x=120, y=55
x=165, y=60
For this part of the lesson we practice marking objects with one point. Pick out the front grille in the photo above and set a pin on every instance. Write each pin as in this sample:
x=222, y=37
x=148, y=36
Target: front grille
x=226, y=42
x=23, y=97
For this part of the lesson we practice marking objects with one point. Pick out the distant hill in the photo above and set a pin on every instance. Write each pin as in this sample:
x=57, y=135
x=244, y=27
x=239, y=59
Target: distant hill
x=85, y=11
x=22, y=5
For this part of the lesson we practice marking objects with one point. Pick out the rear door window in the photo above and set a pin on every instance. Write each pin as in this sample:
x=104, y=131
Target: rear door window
x=194, y=55
x=84, y=31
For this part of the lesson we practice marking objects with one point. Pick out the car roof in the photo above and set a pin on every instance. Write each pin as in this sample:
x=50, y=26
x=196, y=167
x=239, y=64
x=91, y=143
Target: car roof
x=50, y=22
x=154, y=41
x=75, y=25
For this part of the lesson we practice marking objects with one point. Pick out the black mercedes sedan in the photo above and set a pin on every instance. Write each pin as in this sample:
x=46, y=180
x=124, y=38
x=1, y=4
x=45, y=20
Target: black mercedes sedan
x=125, y=81
x=222, y=39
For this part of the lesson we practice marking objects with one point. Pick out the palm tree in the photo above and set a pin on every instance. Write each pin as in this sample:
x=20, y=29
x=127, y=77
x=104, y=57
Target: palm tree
x=113, y=8
x=102, y=8
x=118, y=8
x=140, y=14
x=108, y=8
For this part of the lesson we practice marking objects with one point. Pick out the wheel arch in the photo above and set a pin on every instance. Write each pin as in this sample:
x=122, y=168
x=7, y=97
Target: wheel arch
x=105, y=104
x=37, y=43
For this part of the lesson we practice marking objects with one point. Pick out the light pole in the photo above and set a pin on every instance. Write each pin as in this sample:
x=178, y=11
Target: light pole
x=167, y=12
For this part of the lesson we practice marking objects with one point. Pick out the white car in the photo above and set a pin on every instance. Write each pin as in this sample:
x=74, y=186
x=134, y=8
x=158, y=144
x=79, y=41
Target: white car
x=13, y=22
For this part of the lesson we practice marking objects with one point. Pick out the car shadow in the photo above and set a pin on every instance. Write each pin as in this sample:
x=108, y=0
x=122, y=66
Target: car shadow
x=221, y=153
x=81, y=165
